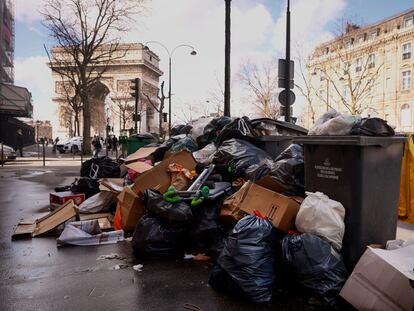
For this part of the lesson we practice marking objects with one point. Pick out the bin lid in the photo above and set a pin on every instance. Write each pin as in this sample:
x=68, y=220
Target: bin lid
x=295, y=129
x=274, y=138
x=349, y=140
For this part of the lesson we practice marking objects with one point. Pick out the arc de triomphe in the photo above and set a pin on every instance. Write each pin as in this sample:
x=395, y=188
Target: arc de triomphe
x=110, y=99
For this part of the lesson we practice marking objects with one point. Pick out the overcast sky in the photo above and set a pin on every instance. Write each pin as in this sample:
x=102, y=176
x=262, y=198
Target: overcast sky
x=258, y=33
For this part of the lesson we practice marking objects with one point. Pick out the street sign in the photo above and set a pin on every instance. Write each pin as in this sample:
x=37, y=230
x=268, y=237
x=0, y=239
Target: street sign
x=136, y=117
x=282, y=73
x=283, y=98
x=283, y=110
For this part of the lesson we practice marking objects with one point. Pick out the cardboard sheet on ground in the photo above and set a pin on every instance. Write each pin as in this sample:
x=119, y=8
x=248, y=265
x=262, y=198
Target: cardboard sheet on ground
x=33, y=228
x=382, y=280
x=88, y=233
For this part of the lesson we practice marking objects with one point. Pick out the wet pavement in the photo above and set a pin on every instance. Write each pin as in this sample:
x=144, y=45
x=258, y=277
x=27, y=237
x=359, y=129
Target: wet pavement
x=37, y=275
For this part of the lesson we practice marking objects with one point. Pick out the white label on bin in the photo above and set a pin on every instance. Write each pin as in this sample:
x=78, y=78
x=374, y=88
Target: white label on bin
x=327, y=171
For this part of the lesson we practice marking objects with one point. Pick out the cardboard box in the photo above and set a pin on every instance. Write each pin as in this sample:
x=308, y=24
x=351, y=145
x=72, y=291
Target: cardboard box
x=158, y=177
x=58, y=198
x=33, y=228
x=382, y=280
x=279, y=209
x=132, y=208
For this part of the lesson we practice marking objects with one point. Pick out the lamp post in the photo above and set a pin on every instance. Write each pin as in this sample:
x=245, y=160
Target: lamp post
x=170, y=54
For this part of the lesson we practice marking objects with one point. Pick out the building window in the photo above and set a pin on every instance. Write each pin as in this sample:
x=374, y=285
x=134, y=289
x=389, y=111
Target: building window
x=371, y=61
x=408, y=22
x=405, y=116
x=346, y=68
x=406, y=50
x=358, y=65
x=370, y=87
x=406, y=80
x=345, y=92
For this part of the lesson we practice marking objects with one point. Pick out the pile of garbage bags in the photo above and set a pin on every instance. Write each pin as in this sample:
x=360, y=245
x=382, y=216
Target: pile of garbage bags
x=185, y=191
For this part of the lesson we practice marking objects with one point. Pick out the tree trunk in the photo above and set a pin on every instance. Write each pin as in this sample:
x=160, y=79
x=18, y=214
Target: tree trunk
x=86, y=124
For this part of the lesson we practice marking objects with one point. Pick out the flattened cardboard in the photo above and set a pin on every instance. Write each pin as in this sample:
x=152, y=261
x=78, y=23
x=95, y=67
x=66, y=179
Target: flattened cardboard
x=48, y=222
x=141, y=153
x=132, y=208
x=381, y=280
x=279, y=209
x=139, y=166
x=112, y=184
x=158, y=177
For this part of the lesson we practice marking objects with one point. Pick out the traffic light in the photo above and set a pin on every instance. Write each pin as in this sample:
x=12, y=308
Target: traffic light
x=164, y=116
x=135, y=87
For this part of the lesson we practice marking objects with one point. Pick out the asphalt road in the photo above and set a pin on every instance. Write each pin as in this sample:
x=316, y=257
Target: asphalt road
x=37, y=275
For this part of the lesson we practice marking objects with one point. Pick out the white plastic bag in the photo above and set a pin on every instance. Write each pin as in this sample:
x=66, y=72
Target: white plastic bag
x=87, y=233
x=322, y=216
x=205, y=155
x=334, y=123
x=100, y=202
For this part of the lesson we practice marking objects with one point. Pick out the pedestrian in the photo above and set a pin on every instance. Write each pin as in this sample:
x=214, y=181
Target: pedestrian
x=19, y=142
x=109, y=143
x=55, y=144
x=96, y=143
x=114, y=143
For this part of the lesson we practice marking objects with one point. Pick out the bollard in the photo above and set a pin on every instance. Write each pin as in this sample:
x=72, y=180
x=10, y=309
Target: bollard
x=44, y=153
x=38, y=151
x=2, y=155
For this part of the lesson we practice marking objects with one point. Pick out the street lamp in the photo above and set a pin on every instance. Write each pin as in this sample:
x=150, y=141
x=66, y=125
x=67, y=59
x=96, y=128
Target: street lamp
x=170, y=54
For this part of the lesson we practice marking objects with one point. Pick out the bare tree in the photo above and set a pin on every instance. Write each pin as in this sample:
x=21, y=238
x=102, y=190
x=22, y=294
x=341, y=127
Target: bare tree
x=159, y=108
x=86, y=35
x=262, y=81
x=351, y=73
x=123, y=108
x=216, y=97
x=71, y=105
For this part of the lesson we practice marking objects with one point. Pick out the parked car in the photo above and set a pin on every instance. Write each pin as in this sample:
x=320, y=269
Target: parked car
x=8, y=154
x=73, y=144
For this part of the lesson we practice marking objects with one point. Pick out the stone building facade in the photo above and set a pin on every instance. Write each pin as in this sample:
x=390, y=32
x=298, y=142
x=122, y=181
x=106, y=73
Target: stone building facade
x=368, y=71
x=110, y=96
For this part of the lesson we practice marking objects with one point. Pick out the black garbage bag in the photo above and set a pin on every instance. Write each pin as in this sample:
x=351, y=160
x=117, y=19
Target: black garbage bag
x=176, y=215
x=100, y=167
x=258, y=171
x=241, y=156
x=239, y=128
x=289, y=169
x=248, y=259
x=318, y=267
x=159, y=153
x=176, y=129
x=186, y=129
x=372, y=127
x=152, y=239
x=85, y=185
x=186, y=143
x=206, y=233
x=211, y=131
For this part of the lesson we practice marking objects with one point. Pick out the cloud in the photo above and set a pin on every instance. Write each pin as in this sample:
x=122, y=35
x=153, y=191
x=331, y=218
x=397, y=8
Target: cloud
x=27, y=11
x=34, y=74
x=256, y=34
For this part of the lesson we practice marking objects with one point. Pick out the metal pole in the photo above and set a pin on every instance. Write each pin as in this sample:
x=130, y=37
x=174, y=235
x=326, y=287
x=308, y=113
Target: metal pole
x=37, y=141
x=227, y=49
x=136, y=104
x=287, y=81
x=169, y=96
x=2, y=155
x=44, y=153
